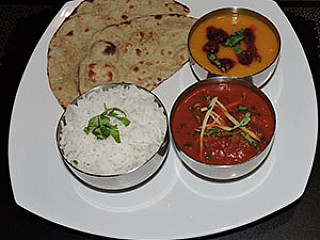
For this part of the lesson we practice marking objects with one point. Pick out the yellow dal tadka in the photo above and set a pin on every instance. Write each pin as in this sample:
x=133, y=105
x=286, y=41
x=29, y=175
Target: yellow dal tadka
x=266, y=43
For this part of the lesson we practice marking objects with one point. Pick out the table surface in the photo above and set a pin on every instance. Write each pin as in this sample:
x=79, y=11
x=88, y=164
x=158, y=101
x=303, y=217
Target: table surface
x=19, y=36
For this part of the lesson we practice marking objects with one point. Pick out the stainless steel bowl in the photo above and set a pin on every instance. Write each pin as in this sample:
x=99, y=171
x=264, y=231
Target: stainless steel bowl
x=221, y=172
x=122, y=181
x=260, y=78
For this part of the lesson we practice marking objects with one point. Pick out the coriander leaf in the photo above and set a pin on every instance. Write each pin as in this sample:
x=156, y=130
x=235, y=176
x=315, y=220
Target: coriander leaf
x=192, y=109
x=234, y=40
x=119, y=110
x=101, y=132
x=94, y=122
x=74, y=161
x=212, y=131
x=125, y=121
x=214, y=60
x=251, y=140
x=241, y=108
x=115, y=134
x=105, y=131
x=102, y=125
x=103, y=120
x=245, y=120
x=237, y=48
x=113, y=112
x=229, y=134
x=87, y=130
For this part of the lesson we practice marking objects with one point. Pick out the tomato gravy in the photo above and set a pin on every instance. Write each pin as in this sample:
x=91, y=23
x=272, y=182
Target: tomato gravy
x=211, y=136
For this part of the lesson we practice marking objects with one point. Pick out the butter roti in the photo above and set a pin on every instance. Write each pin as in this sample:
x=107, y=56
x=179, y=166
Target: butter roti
x=145, y=51
x=130, y=8
x=68, y=46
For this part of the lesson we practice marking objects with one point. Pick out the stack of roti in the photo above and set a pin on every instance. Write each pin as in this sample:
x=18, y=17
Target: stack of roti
x=138, y=41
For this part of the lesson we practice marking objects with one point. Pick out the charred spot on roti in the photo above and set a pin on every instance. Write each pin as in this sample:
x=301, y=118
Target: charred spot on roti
x=97, y=73
x=135, y=69
x=91, y=73
x=109, y=76
x=110, y=49
x=70, y=33
x=124, y=17
x=92, y=76
x=138, y=52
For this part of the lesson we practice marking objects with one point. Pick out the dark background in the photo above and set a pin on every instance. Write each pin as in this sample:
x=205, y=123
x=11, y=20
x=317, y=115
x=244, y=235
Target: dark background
x=21, y=25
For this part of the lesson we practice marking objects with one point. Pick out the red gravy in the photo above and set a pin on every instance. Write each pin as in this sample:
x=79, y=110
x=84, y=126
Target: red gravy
x=223, y=147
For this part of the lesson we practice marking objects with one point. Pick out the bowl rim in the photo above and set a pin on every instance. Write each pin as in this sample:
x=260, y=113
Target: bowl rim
x=237, y=10
x=104, y=87
x=217, y=80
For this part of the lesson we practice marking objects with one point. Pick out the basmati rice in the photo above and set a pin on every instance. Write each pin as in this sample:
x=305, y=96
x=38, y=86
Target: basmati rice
x=139, y=141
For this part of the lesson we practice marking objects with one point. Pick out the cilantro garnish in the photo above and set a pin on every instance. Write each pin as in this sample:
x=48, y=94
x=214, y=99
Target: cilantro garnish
x=104, y=124
x=234, y=40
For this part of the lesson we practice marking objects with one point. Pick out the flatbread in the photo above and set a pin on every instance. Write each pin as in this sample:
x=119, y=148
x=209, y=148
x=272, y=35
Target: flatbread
x=132, y=8
x=68, y=46
x=145, y=51
x=66, y=49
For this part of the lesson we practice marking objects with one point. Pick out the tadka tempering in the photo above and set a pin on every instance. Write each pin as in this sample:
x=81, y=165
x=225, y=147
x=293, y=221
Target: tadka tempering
x=245, y=56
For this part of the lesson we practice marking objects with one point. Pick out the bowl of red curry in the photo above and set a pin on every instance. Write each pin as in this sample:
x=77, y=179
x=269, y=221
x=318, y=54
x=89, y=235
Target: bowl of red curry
x=223, y=128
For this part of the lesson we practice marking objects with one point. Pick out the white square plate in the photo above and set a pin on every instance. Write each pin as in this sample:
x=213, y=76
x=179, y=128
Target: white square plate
x=175, y=203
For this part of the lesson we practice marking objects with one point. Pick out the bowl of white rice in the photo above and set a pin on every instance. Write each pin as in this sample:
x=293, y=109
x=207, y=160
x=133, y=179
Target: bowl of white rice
x=114, y=137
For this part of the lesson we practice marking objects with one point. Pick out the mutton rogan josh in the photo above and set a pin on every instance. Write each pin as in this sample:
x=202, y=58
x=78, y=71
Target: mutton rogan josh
x=222, y=122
